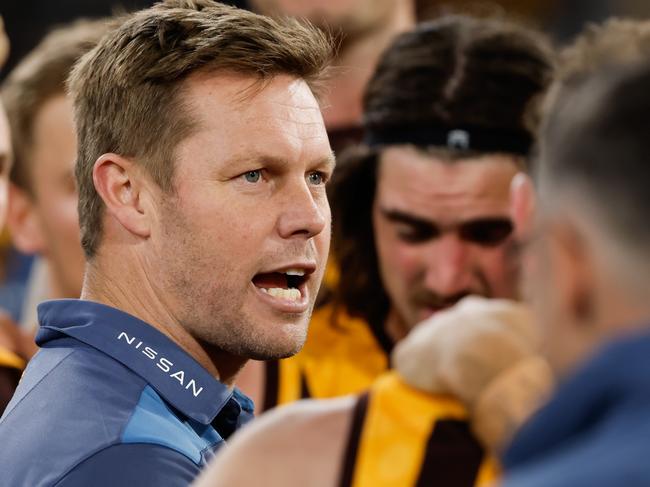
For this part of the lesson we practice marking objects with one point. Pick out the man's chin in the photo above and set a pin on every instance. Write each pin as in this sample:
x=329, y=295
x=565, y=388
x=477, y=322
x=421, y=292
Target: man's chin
x=276, y=352
x=286, y=343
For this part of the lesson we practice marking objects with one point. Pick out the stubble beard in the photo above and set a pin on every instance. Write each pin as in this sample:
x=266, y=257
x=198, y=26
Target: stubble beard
x=218, y=318
x=215, y=314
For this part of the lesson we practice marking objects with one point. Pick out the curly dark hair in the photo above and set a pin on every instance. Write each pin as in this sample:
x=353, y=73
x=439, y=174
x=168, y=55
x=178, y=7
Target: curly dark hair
x=454, y=72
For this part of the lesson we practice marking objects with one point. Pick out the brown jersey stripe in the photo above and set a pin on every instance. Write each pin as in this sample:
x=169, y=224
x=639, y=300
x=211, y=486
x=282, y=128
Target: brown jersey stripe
x=354, y=437
x=304, y=388
x=271, y=384
x=453, y=456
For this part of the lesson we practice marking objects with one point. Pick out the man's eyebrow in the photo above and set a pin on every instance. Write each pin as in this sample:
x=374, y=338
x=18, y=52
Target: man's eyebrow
x=256, y=157
x=329, y=160
x=401, y=217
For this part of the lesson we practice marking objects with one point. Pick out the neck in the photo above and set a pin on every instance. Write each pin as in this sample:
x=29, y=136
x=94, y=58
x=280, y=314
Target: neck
x=621, y=319
x=619, y=285
x=355, y=65
x=56, y=289
x=125, y=286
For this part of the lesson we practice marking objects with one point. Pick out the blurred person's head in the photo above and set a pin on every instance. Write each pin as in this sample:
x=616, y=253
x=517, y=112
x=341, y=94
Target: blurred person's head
x=361, y=31
x=615, y=42
x=4, y=44
x=421, y=212
x=43, y=207
x=6, y=155
x=201, y=167
x=588, y=262
x=608, y=46
x=353, y=17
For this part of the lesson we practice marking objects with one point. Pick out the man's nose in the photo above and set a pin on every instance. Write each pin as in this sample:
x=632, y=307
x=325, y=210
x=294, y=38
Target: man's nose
x=305, y=213
x=448, y=266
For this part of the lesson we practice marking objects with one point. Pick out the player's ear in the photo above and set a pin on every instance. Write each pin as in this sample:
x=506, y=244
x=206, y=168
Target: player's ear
x=121, y=184
x=522, y=204
x=24, y=223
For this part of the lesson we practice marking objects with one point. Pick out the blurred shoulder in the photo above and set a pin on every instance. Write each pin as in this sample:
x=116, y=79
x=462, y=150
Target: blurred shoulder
x=295, y=445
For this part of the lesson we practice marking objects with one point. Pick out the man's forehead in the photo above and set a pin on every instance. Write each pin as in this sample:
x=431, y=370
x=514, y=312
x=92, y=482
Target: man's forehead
x=240, y=91
x=247, y=101
x=422, y=184
x=237, y=120
x=414, y=169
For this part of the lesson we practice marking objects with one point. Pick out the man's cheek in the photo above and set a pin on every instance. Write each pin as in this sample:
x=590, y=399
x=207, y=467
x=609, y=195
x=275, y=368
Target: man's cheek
x=499, y=268
x=406, y=261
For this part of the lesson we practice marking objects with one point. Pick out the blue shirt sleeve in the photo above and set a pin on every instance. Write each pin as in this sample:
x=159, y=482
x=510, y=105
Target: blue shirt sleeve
x=133, y=464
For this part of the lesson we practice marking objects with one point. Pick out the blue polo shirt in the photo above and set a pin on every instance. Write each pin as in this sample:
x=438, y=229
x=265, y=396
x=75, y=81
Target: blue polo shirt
x=111, y=401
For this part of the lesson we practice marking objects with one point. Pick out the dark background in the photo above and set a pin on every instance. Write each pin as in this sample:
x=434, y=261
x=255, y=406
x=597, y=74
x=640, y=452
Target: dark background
x=27, y=21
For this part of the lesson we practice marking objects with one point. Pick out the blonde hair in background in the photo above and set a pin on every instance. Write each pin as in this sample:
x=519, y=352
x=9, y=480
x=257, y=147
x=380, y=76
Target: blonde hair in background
x=40, y=76
x=615, y=42
x=4, y=44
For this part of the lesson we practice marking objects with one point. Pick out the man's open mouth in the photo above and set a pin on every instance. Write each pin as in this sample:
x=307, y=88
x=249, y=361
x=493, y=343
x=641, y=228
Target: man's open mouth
x=288, y=284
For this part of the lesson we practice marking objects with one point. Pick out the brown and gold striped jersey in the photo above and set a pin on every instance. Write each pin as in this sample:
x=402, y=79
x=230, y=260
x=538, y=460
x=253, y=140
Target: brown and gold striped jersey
x=341, y=356
x=401, y=436
x=11, y=369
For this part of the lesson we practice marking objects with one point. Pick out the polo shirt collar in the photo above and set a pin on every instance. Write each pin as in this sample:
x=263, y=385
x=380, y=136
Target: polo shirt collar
x=175, y=375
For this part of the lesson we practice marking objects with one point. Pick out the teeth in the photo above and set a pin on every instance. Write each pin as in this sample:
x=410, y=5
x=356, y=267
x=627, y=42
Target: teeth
x=295, y=272
x=288, y=294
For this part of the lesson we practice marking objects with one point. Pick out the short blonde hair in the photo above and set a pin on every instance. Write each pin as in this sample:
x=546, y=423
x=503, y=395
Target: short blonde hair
x=615, y=42
x=40, y=76
x=127, y=90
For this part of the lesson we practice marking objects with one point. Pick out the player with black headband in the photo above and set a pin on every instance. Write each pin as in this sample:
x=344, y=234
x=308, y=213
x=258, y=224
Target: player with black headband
x=420, y=210
x=421, y=218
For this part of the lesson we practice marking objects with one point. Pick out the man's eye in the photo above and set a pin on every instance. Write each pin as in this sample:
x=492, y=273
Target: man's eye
x=487, y=233
x=316, y=178
x=253, y=176
x=417, y=235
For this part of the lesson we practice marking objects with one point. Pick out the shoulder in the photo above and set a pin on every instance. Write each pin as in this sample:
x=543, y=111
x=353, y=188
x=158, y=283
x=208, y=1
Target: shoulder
x=70, y=378
x=619, y=447
x=153, y=422
x=73, y=402
x=132, y=464
x=390, y=389
x=309, y=417
x=295, y=445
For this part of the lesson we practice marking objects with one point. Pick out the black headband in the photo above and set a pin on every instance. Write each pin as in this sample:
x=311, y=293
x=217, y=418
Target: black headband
x=463, y=138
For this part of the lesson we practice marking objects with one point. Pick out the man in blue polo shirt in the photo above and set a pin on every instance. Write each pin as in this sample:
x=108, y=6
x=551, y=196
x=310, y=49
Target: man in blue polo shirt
x=201, y=172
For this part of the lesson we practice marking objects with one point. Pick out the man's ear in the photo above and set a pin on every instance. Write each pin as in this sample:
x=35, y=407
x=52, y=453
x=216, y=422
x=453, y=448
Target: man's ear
x=576, y=279
x=522, y=205
x=24, y=222
x=121, y=185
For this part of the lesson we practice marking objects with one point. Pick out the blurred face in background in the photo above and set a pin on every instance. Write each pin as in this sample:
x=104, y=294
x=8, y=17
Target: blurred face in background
x=443, y=230
x=351, y=16
x=5, y=164
x=563, y=278
x=4, y=44
x=44, y=220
